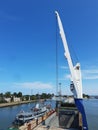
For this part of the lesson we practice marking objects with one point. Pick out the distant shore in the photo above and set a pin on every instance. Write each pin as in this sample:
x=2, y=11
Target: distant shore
x=15, y=103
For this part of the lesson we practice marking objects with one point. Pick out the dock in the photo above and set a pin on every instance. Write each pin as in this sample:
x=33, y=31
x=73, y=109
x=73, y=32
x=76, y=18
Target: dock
x=38, y=122
x=69, y=120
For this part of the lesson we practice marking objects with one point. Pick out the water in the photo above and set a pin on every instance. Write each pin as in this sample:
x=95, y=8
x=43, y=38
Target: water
x=7, y=114
x=91, y=108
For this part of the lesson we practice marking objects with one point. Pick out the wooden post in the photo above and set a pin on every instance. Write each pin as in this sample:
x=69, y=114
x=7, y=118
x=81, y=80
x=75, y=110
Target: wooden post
x=80, y=120
x=29, y=126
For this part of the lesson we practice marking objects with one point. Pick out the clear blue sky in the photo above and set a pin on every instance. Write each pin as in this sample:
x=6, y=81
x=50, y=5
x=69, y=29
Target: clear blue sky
x=28, y=40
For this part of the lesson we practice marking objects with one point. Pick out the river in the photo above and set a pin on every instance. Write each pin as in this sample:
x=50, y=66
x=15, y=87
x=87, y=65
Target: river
x=91, y=108
x=7, y=114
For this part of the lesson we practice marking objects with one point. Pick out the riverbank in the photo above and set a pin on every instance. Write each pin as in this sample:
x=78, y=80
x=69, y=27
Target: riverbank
x=16, y=103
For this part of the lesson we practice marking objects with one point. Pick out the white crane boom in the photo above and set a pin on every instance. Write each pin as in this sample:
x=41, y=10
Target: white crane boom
x=75, y=76
x=75, y=70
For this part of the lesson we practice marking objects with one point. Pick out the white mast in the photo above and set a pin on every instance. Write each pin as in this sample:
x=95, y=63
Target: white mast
x=75, y=70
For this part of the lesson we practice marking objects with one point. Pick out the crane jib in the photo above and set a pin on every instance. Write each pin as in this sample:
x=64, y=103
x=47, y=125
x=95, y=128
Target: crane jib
x=76, y=86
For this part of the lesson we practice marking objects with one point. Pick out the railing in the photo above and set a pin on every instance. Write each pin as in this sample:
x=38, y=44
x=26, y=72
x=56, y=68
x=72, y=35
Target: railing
x=34, y=123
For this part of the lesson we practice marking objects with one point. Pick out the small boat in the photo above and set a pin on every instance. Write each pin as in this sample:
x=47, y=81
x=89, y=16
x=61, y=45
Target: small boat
x=23, y=117
x=39, y=110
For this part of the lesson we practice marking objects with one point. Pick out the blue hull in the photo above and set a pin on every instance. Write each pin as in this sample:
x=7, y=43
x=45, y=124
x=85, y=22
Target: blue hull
x=79, y=105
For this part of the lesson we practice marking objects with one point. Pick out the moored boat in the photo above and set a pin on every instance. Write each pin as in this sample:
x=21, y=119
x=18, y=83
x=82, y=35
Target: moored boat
x=23, y=117
x=39, y=110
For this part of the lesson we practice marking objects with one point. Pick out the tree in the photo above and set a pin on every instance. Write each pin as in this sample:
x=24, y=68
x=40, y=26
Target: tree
x=37, y=96
x=19, y=94
x=27, y=97
x=1, y=94
x=85, y=96
x=49, y=95
x=15, y=94
x=8, y=94
x=44, y=96
x=33, y=97
x=1, y=98
x=12, y=99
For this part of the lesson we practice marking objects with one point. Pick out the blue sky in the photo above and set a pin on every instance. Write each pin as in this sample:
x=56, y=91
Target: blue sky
x=28, y=44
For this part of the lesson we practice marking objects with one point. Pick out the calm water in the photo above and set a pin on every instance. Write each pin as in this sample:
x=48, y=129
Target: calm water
x=91, y=108
x=7, y=115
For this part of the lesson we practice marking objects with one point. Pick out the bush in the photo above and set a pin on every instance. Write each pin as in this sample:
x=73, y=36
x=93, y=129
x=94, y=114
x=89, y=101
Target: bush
x=3, y=101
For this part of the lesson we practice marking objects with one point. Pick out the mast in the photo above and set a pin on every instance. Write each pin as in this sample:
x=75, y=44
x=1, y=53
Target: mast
x=76, y=85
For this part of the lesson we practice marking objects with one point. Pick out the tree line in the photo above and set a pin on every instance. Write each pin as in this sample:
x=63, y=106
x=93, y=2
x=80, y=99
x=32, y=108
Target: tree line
x=24, y=97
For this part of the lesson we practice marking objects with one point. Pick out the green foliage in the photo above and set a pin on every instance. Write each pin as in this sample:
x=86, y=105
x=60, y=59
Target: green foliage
x=12, y=99
x=33, y=97
x=86, y=96
x=1, y=94
x=3, y=101
x=19, y=94
x=8, y=94
x=27, y=97
x=15, y=94
x=45, y=96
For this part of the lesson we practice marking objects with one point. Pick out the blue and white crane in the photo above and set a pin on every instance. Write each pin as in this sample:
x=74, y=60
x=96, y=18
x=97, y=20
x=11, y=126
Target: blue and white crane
x=76, y=80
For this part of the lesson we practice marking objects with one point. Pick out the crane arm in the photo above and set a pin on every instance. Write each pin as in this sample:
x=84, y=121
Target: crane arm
x=75, y=75
x=75, y=70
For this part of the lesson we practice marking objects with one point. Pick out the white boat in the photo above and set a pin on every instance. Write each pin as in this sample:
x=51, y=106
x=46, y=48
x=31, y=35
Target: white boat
x=23, y=117
x=39, y=110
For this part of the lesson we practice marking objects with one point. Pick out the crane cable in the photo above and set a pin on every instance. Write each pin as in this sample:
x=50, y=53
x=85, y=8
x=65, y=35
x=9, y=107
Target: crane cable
x=56, y=60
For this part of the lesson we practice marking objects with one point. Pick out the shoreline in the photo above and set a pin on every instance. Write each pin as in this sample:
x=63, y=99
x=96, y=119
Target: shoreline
x=15, y=103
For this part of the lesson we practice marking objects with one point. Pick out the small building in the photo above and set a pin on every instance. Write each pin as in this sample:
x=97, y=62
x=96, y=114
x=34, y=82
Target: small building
x=16, y=99
x=7, y=99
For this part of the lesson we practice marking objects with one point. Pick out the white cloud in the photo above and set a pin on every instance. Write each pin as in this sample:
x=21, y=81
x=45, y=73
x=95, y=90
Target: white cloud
x=26, y=87
x=64, y=67
x=90, y=88
x=90, y=77
x=34, y=85
x=65, y=77
x=91, y=71
x=90, y=74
